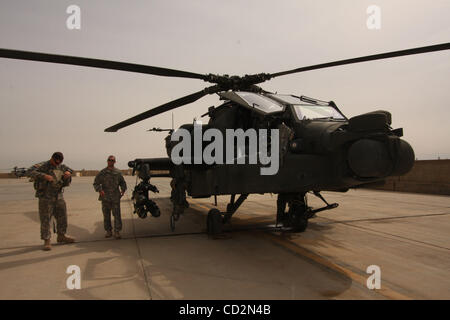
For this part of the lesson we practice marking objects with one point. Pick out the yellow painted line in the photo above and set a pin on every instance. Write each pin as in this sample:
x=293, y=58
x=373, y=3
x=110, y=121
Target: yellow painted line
x=384, y=291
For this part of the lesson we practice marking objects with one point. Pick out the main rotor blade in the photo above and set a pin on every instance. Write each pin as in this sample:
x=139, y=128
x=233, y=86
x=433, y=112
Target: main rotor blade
x=438, y=47
x=97, y=63
x=163, y=108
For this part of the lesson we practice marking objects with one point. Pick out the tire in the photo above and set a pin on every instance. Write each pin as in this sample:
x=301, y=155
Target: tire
x=297, y=217
x=300, y=223
x=214, y=222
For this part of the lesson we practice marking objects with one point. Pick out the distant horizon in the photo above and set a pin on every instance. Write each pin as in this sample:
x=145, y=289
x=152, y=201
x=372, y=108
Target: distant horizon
x=97, y=169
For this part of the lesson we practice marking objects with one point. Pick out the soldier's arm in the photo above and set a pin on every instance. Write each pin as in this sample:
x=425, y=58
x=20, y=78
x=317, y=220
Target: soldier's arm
x=153, y=188
x=66, y=168
x=34, y=172
x=122, y=184
x=98, y=182
x=67, y=180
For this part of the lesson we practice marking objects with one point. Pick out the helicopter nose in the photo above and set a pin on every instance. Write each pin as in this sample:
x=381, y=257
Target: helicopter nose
x=369, y=158
x=405, y=158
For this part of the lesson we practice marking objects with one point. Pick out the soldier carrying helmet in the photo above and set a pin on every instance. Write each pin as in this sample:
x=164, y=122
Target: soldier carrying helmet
x=50, y=178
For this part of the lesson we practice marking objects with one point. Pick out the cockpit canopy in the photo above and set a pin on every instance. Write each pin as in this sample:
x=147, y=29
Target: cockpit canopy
x=305, y=108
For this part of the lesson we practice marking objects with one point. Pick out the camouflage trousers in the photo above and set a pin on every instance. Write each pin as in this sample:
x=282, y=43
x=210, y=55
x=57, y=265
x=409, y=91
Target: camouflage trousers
x=107, y=208
x=49, y=208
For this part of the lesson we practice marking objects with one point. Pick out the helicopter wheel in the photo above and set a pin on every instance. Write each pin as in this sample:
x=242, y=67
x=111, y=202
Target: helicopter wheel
x=172, y=223
x=298, y=219
x=214, y=222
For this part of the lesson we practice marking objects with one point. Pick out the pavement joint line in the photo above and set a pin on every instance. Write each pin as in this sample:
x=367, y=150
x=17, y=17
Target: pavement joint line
x=332, y=221
x=350, y=195
x=374, y=219
x=385, y=291
x=146, y=280
x=432, y=206
x=388, y=218
x=381, y=233
x=263, y=227
x=310, y=255
x=399, y=192
x=165, y=235
x=123, y=238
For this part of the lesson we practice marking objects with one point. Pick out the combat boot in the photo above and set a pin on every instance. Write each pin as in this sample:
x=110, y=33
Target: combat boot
x=62, y=238
x=117, y=235
x=108, y=234
x=47, y=245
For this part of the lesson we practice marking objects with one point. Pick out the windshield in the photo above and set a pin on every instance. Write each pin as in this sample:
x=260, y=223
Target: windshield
x=317, y=112
x=260, y=102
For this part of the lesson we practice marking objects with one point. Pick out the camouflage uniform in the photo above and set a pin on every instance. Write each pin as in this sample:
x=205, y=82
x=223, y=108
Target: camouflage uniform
x=109, y=180
x=50, y=194
x=178, y=193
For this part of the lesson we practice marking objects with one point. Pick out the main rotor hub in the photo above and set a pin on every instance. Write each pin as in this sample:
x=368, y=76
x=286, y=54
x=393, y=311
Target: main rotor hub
x=226, y=82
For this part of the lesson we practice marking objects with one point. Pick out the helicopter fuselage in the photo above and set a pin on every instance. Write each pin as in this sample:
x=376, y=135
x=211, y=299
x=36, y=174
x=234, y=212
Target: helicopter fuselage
x=320, y=149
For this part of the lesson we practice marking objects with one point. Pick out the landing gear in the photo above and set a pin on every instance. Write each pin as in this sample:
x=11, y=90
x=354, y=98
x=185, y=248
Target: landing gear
x=174, y=217
x=296, y=217
x=216, y=219
x=214, y=222
x=299, y=212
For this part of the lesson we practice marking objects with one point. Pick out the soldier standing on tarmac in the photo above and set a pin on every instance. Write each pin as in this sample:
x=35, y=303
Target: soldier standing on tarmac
x=107, y=183
x=50, y=177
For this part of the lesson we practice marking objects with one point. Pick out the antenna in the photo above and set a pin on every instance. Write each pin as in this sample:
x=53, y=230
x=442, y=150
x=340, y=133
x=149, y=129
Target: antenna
x=161, y=130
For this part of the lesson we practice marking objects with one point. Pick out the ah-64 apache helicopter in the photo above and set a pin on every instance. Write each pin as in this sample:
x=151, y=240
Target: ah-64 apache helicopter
x=19, y=172
x=319, y=148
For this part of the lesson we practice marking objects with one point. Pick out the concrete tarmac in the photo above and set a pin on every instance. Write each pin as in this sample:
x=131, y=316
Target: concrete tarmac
x=406, y=235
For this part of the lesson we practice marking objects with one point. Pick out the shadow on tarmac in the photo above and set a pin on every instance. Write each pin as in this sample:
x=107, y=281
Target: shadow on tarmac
x=338, y=282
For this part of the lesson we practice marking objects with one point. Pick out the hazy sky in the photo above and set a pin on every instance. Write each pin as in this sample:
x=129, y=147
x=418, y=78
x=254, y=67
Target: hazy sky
x=48, y=107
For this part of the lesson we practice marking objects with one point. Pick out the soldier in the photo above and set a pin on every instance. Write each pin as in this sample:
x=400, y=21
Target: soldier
x=178, y=193
x=50, y=177
x=107, y=183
